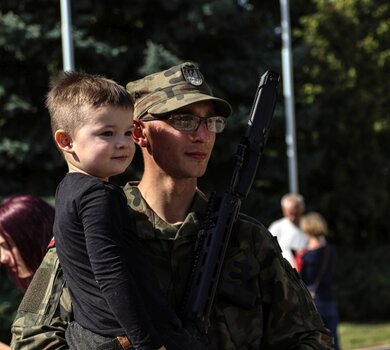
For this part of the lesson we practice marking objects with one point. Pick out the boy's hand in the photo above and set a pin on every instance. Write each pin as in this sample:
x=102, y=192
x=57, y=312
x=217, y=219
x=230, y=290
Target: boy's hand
x=6, y=347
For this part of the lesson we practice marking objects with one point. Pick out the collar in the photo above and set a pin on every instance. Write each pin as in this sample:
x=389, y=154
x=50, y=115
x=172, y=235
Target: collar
x=150, y=226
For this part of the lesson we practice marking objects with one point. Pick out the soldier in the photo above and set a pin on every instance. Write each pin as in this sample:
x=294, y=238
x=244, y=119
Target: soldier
x=176, y=122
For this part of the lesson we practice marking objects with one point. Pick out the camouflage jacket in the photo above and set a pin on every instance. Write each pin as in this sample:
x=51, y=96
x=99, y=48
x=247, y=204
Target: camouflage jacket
x=283, y=316
x=45, y=310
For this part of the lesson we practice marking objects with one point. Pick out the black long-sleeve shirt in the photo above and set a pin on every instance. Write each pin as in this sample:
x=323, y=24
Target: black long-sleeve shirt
x=112, y=288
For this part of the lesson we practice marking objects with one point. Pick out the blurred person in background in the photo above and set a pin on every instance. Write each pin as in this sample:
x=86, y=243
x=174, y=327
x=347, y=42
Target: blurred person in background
x=26, y=228
x=290, y=237
x=316, y=263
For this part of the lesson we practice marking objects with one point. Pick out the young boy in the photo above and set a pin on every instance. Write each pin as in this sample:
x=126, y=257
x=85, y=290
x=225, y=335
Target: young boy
x=115, y=296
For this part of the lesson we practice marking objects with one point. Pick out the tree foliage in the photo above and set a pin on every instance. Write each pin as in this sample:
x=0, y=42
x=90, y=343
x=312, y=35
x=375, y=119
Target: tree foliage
x=122, y=42
x=341, y=61
x=344, y=116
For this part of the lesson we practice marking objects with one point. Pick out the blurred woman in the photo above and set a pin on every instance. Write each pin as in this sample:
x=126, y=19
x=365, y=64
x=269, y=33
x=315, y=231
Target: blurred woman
x=315, y=263
x=26, y=228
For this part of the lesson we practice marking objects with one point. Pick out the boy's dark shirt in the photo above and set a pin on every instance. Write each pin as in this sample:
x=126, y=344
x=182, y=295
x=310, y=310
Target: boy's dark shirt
x=103, y=264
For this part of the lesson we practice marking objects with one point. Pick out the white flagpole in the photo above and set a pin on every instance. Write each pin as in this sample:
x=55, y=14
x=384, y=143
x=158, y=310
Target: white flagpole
x=288, y=92
x=66, y=31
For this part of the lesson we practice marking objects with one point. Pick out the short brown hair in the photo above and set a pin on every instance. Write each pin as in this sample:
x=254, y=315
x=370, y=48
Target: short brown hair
x=314, y=224
x=72, y=92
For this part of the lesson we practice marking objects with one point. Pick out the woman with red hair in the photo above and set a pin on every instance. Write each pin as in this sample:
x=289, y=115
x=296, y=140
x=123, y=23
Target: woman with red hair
x=26, y=228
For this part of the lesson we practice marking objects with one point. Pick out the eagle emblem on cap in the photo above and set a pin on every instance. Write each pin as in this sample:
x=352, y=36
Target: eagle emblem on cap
x=192, y=74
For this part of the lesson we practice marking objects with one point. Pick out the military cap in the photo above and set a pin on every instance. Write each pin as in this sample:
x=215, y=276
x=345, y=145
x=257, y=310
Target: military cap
x=171, y=89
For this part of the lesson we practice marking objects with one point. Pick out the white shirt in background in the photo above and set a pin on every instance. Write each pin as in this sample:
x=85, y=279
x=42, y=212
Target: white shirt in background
x=290, y=238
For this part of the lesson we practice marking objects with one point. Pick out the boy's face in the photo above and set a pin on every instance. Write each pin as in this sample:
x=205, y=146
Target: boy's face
x=103, y=145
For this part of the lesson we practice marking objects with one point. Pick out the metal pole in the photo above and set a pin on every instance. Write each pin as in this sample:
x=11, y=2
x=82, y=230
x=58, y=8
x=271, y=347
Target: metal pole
x=66, y=31
x=288, y=92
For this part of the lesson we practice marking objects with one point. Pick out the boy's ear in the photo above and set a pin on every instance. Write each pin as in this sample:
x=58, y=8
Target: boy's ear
x=63, y=140
x=139, y=135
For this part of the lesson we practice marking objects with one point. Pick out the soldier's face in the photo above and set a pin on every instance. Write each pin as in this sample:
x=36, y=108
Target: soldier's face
x=180, y=154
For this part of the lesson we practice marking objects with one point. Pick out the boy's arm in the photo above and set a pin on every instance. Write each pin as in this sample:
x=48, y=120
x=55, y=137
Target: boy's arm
x=45, y=310
x=113, y=257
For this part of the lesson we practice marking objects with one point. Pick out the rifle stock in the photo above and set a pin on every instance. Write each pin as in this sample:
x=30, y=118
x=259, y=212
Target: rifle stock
x=214, y=236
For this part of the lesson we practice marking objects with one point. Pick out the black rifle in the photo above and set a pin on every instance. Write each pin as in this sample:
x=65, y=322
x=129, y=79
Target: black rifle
x=214, y=236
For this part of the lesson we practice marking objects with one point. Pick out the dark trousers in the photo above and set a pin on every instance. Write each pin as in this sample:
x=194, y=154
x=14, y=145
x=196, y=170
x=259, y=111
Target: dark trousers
x=80, y=338
x=330, y=316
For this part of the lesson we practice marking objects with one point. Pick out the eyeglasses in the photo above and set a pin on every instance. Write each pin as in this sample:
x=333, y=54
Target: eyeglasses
x=190, y=123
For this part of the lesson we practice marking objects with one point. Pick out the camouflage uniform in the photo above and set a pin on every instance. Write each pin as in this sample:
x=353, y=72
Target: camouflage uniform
x=283, y=316
x=45, y=310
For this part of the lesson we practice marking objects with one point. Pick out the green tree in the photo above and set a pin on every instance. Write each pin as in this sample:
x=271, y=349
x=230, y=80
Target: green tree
x=124, y=42
x=341, y=65
x=343, y=118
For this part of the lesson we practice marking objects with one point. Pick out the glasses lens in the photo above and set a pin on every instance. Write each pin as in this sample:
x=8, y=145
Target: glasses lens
x=189, y=122
x=216, y=124
x=184, y=122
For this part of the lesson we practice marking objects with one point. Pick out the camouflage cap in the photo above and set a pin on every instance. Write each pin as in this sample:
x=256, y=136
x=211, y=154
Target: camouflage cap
x=171, y=89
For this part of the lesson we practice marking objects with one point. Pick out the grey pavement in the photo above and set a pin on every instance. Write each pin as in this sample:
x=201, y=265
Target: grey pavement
x=379, y=347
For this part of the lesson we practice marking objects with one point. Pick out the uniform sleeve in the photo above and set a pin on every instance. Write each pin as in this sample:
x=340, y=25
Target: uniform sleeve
x=104, y=214
x=292, y=321
x=45, y=310
x=262, y=302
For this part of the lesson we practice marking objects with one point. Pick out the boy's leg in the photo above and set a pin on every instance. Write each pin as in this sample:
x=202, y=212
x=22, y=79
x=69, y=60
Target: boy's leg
x=79, y=338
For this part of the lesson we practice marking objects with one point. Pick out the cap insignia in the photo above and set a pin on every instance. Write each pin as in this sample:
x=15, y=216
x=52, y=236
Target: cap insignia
x=192, y=75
